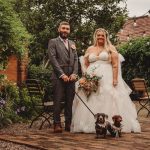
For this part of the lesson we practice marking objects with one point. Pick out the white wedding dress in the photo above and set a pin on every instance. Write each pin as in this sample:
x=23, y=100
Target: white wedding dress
x=108, y=99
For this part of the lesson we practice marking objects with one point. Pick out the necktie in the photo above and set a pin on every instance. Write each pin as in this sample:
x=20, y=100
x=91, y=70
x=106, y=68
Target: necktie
x=66, y=43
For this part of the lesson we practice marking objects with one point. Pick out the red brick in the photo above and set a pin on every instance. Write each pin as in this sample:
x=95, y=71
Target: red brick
x=16, y=70
x=142, y=26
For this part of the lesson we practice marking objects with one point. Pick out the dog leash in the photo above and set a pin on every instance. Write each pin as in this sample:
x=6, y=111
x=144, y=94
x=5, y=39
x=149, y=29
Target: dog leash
x=85, y=104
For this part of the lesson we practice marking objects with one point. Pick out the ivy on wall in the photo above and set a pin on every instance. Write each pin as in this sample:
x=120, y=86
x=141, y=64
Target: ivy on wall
x=14, y=38
x=137, y=59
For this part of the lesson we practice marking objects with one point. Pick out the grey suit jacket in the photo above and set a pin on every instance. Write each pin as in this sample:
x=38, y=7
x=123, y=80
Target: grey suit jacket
x=63, y=60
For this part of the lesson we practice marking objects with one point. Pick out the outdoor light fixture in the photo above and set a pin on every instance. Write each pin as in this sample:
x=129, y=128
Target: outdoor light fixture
x=128, y=37
x=121, y=30
x=144, y=34
x=134, y=24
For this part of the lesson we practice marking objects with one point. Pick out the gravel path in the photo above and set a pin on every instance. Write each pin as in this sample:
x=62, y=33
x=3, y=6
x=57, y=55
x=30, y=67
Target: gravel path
x=16, y=129
x=12, y=146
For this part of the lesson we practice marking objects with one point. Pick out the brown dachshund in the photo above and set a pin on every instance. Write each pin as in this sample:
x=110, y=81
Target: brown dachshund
x=116, y=127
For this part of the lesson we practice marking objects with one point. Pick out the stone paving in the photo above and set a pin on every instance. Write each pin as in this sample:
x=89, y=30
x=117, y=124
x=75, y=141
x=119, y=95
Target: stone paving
x=45, y=139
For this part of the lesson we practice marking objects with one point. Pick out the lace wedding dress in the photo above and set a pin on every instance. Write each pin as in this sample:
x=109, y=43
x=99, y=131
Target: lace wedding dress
x=108, y=99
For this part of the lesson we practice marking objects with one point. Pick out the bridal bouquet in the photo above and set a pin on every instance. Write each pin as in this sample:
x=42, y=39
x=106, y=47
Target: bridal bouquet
x=89, y=83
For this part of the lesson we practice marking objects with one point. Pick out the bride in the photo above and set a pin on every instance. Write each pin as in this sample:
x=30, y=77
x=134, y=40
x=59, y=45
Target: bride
x=112, y=96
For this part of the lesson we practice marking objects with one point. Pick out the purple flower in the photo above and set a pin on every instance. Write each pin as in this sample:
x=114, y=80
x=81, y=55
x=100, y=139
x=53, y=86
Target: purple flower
x=23, y=108
x=18, y=110
x=2, y=102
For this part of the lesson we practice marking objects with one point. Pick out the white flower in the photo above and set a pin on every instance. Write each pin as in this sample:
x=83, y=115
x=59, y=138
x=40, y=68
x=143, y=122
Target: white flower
x=73, y=46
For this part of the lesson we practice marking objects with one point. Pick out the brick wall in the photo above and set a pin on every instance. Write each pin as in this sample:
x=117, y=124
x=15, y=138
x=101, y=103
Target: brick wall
x=135, y=27
x=22, y=69
x=16, y=70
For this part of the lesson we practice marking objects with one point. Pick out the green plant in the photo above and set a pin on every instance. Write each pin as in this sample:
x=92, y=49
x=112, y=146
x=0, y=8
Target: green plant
x=15, y=104
x=137, y=56
x=8, y=96
x=42, y=20
x=24, y=106
x=14, y=38
x=42, y=74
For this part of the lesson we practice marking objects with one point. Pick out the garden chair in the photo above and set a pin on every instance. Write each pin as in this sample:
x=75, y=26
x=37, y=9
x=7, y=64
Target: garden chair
x=43, y=108
x=140, y=86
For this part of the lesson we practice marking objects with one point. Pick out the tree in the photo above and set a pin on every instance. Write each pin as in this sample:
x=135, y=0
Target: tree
x=14, y=35
x=41, y=18
x=14, y=38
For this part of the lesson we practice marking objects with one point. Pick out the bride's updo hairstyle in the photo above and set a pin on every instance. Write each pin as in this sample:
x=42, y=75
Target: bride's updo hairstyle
x=107, y=44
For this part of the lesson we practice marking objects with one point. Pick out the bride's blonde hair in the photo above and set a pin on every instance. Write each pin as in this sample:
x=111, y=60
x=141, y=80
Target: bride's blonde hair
x=107, y=44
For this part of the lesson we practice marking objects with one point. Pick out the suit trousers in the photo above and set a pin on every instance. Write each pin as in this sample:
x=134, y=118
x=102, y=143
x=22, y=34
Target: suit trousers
x=63, y=92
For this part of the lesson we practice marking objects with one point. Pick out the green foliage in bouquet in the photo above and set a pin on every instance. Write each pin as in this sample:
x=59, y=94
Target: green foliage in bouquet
x=89, y=83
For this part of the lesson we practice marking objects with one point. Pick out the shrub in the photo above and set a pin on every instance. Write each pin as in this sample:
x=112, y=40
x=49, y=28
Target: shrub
x=15, y=104
x=14, y=38
x=42, y=74
x=9, y=94
x=137, y=59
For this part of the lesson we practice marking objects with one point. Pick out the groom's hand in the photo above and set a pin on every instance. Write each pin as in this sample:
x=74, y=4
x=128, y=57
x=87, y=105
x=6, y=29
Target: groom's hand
x=65, y=78
x=73, y=77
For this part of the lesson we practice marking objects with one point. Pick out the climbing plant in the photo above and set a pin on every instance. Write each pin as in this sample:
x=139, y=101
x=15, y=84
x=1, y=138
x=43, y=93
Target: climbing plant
x=14, y=38
x=137, y=59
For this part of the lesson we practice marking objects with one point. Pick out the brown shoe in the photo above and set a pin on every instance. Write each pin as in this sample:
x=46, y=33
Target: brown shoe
x=67, y=127
x=57, y=128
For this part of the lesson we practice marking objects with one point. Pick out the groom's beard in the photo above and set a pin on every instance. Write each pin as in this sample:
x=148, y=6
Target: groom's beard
x=63, y=35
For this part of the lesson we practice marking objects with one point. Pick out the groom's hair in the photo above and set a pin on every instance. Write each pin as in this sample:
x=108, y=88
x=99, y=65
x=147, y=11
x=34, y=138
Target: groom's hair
x=64, y=23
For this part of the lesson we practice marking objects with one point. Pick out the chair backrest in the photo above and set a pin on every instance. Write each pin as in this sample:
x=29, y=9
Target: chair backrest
x=34, y=87
x=139, y=84
x=35, y=90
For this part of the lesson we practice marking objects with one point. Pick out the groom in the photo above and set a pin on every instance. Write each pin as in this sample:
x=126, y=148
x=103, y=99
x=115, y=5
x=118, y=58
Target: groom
x=64, y=60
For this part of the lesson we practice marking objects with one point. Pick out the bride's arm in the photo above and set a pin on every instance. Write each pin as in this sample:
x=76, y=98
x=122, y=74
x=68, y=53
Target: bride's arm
x=86, y=58
x=84, y=62
x=114, y=60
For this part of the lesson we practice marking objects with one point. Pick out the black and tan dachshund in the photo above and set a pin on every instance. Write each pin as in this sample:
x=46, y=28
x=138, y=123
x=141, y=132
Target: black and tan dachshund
x=101, y=124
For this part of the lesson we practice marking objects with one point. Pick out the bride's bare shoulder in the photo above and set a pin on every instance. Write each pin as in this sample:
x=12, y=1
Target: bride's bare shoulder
x=90, y=49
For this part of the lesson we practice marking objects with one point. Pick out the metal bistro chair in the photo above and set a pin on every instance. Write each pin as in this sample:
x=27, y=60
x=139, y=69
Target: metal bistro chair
x=139, y=86
x=44, y=109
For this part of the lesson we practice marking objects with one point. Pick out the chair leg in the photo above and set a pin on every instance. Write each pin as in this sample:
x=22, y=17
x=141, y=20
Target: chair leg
x=35, y=119
x=143, y=106
x=50, y=118
x=42, y=114
x=41, y=125
x=149, y=110
x=148, y=114
x=46, y=119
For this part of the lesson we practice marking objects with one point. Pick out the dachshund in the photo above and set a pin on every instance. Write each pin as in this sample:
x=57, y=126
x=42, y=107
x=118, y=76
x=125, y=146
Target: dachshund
x=116, y=127
x=101, y=124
